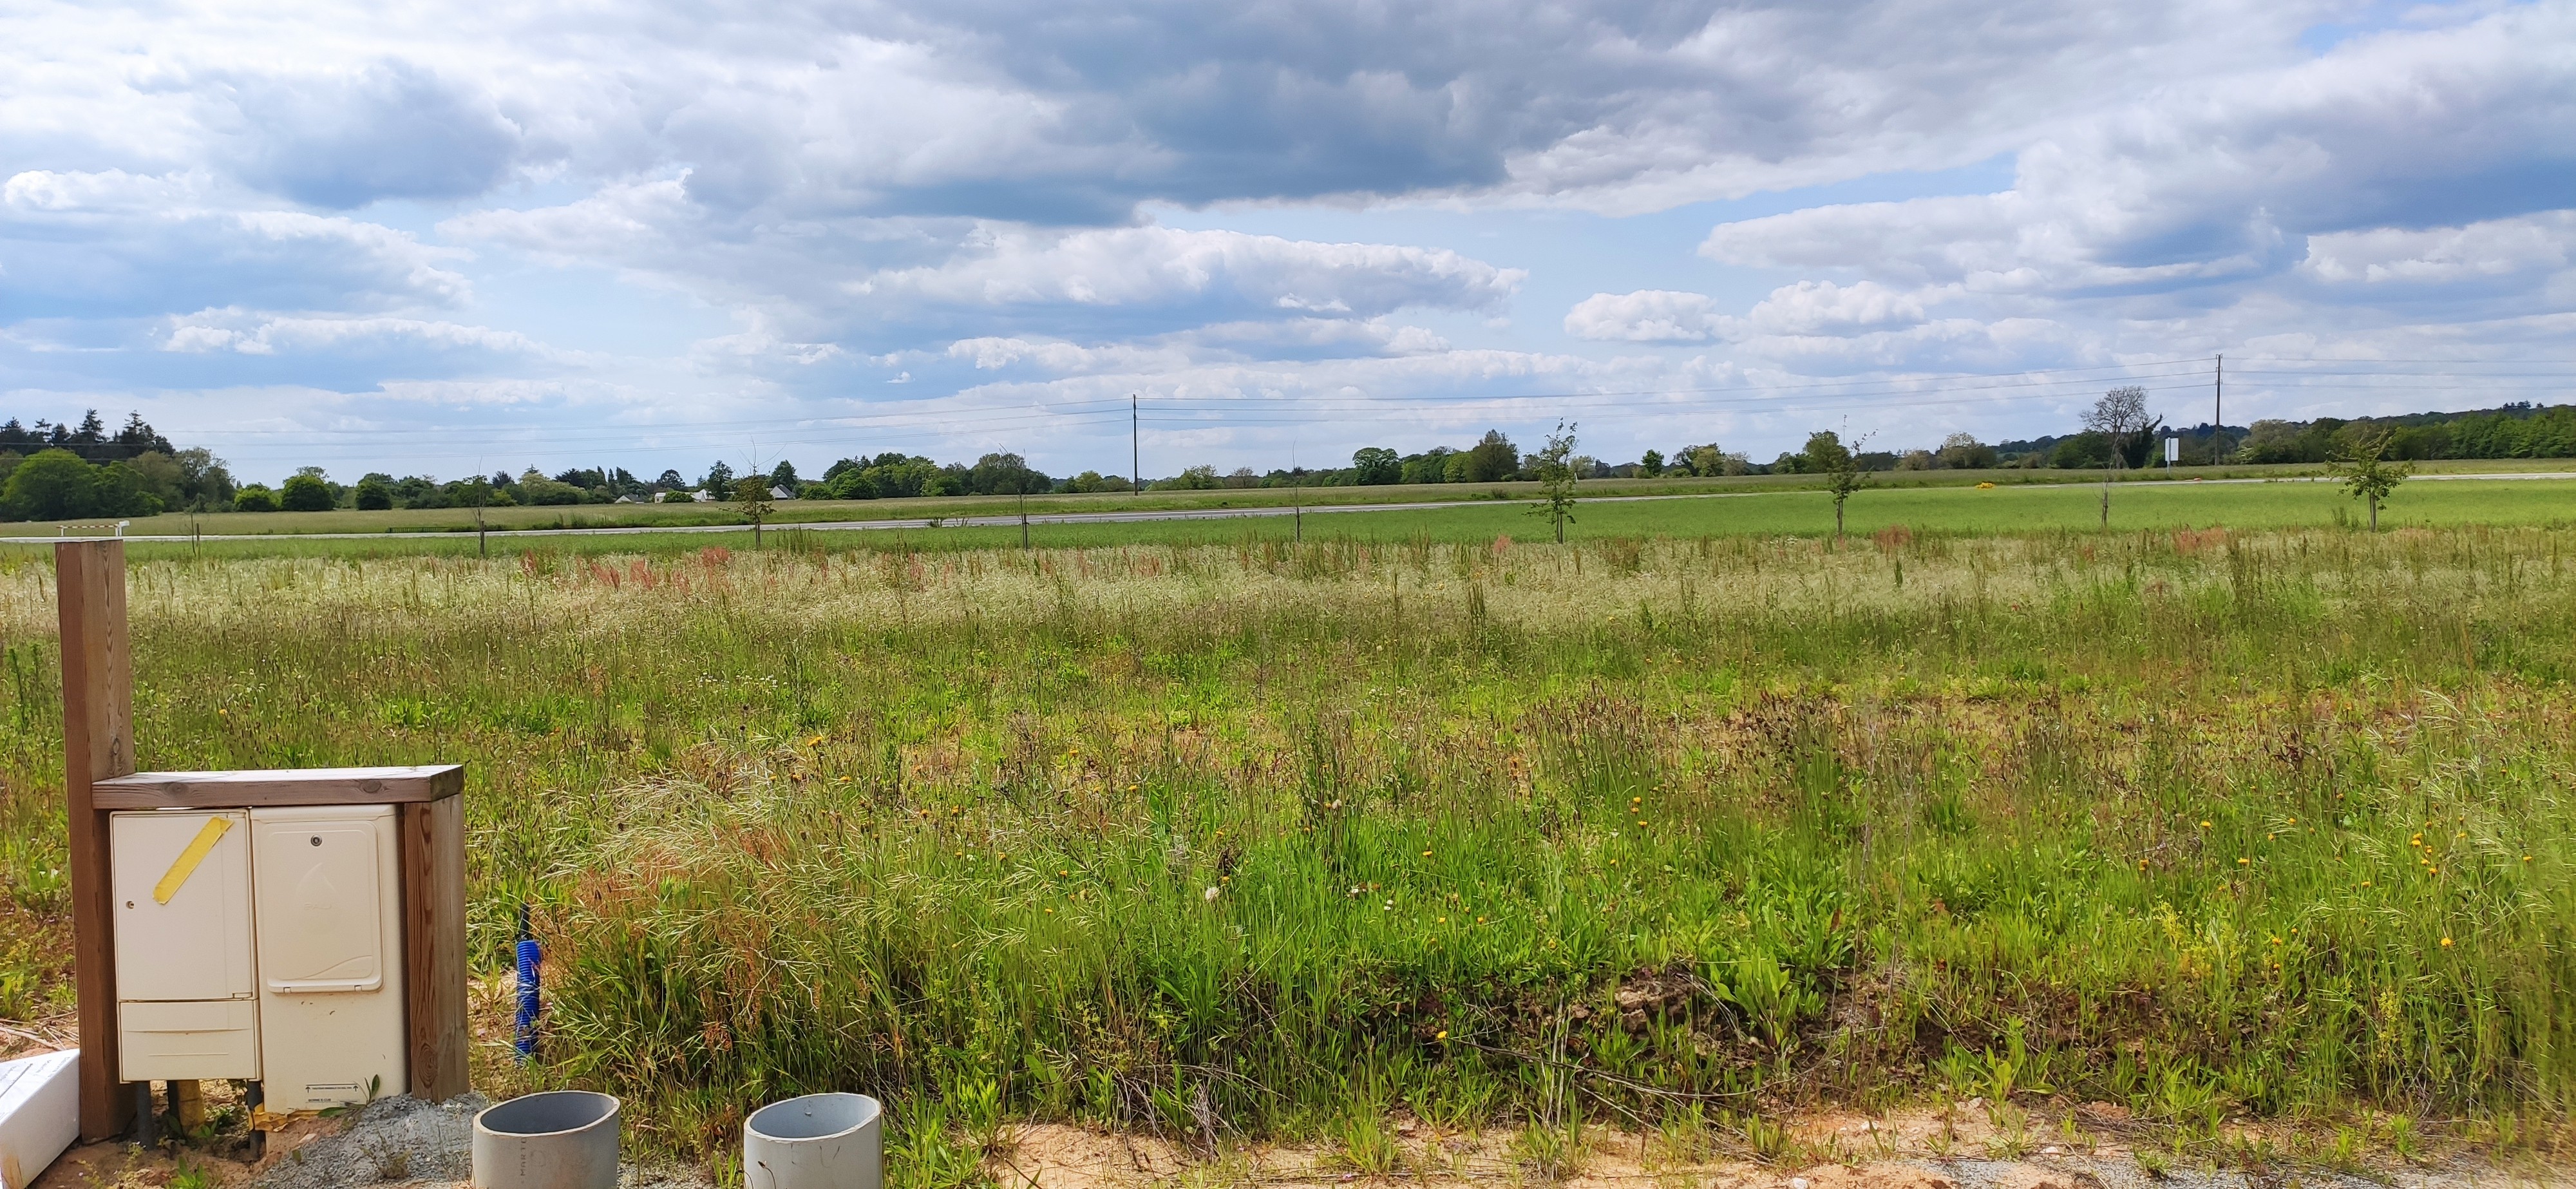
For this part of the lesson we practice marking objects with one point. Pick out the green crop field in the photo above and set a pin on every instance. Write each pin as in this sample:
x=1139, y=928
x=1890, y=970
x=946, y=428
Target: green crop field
x=1612, y=512
x=432, y=524
x=1698, y=819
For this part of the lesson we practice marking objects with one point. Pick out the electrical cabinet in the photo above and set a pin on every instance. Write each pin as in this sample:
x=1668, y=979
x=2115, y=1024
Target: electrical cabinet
x=262, y=944
x=185, y=983
x=324, y=885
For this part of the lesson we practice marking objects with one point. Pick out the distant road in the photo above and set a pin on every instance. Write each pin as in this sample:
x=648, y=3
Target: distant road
x=1037, y=518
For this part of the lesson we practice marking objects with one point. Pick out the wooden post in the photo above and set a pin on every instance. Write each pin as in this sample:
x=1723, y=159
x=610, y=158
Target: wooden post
x=433, y=861
x=98, y=744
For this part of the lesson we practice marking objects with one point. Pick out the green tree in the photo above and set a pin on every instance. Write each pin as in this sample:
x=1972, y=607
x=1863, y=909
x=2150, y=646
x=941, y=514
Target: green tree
x=375, y=493
x=1492, y=459
x=1374, y=466
x=1826, y=455
x=751, y=498
x=255, y=497
x=2367, y=476
x=1652, y=465
x=305, y=491
x=1556, y=478
x=53, y=485
x=1963, y=452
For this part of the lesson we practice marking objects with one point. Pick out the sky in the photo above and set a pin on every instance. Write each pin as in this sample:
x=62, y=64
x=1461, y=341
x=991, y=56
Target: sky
x=443, y=238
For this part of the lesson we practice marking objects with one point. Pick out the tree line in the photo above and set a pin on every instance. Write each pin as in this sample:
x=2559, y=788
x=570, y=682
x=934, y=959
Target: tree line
x=84, y=470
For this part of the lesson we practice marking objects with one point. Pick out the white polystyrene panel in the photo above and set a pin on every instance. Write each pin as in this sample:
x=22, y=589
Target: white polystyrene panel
x=39, y=1114
x=198, y=946
x=320, y=899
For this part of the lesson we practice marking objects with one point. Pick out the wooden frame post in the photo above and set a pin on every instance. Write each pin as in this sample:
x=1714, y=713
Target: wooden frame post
x=98, y=744
x=433, y=909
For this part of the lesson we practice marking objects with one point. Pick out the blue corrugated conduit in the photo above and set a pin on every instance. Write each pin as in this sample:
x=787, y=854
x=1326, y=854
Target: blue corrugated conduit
x=530, y=957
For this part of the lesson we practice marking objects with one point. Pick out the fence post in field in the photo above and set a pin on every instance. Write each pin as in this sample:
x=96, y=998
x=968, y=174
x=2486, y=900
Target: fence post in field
x=98, y=744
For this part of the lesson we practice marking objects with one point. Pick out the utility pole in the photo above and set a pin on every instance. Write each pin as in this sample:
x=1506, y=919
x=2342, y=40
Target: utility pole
x=1136, y=448
x=1024, y=516
x=2218, y=410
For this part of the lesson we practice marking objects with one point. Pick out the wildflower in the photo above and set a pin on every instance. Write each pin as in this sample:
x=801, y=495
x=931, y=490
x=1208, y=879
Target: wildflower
x=2244, y=862
x=1440, y=920
x=1426, y=854
x=2365, y=883
x=816, y=741
x=2446, y=943
x=2204, y=824
x=1444, y=1035
x=1209, y=894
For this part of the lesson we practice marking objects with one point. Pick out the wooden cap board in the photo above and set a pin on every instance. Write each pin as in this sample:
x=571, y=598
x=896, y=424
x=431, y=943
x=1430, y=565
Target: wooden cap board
x=278, y=786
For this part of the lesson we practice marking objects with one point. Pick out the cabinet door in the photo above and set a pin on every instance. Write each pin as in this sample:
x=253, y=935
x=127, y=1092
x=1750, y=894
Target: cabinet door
x=198, y=944
x=319, y=895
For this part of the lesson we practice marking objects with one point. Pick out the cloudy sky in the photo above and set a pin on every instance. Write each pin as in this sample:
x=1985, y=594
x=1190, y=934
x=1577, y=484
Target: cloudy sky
x=441, y=237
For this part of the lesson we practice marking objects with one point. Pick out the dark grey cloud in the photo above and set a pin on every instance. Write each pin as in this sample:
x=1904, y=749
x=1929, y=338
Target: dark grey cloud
x=392, y=129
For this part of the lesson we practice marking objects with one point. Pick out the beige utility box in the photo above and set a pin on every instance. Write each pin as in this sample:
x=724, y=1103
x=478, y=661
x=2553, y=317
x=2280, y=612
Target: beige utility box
x=326, y=892
x=262, y=944
x=187, y=996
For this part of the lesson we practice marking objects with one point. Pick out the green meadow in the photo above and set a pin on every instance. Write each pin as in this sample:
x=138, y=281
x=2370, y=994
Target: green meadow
x=1699, y=819
x=1612, y=512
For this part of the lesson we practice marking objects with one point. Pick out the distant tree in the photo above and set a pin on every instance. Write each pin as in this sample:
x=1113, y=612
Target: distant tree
x=535, y=488
x=375, y=493
x=751, y=498
x=719, y=481
x=1492, y=459
x=255, y=497
x=305, y=491
x=1826, y=455
x=671, y=481
x=1197, y=478
x=204, y=481
x=1376, y=466
x=2365, y=474
x=2120, y=413
x=162, y=476
x=1652, y=465
x=1963, y=452
x=1003, y=473
x=1557, y=476
x=56, y=485
x=783, y=475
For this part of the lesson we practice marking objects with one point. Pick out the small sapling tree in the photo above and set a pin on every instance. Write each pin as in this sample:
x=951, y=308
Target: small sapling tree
x=2367, y=475
x=2119, y=415
x=751, y=498
x=1840, y=465
x=1556, y=477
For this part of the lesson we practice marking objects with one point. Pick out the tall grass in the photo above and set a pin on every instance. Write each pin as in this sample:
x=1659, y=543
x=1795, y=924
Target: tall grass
x=1233, y=838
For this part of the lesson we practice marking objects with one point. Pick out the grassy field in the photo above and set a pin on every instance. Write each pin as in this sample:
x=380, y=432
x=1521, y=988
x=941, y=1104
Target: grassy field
x=1930, y=510
x=1674, y=832
x=442, y=521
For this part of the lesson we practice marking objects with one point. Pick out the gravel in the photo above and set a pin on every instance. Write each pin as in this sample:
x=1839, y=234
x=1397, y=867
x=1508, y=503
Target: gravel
x=402, y=1140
